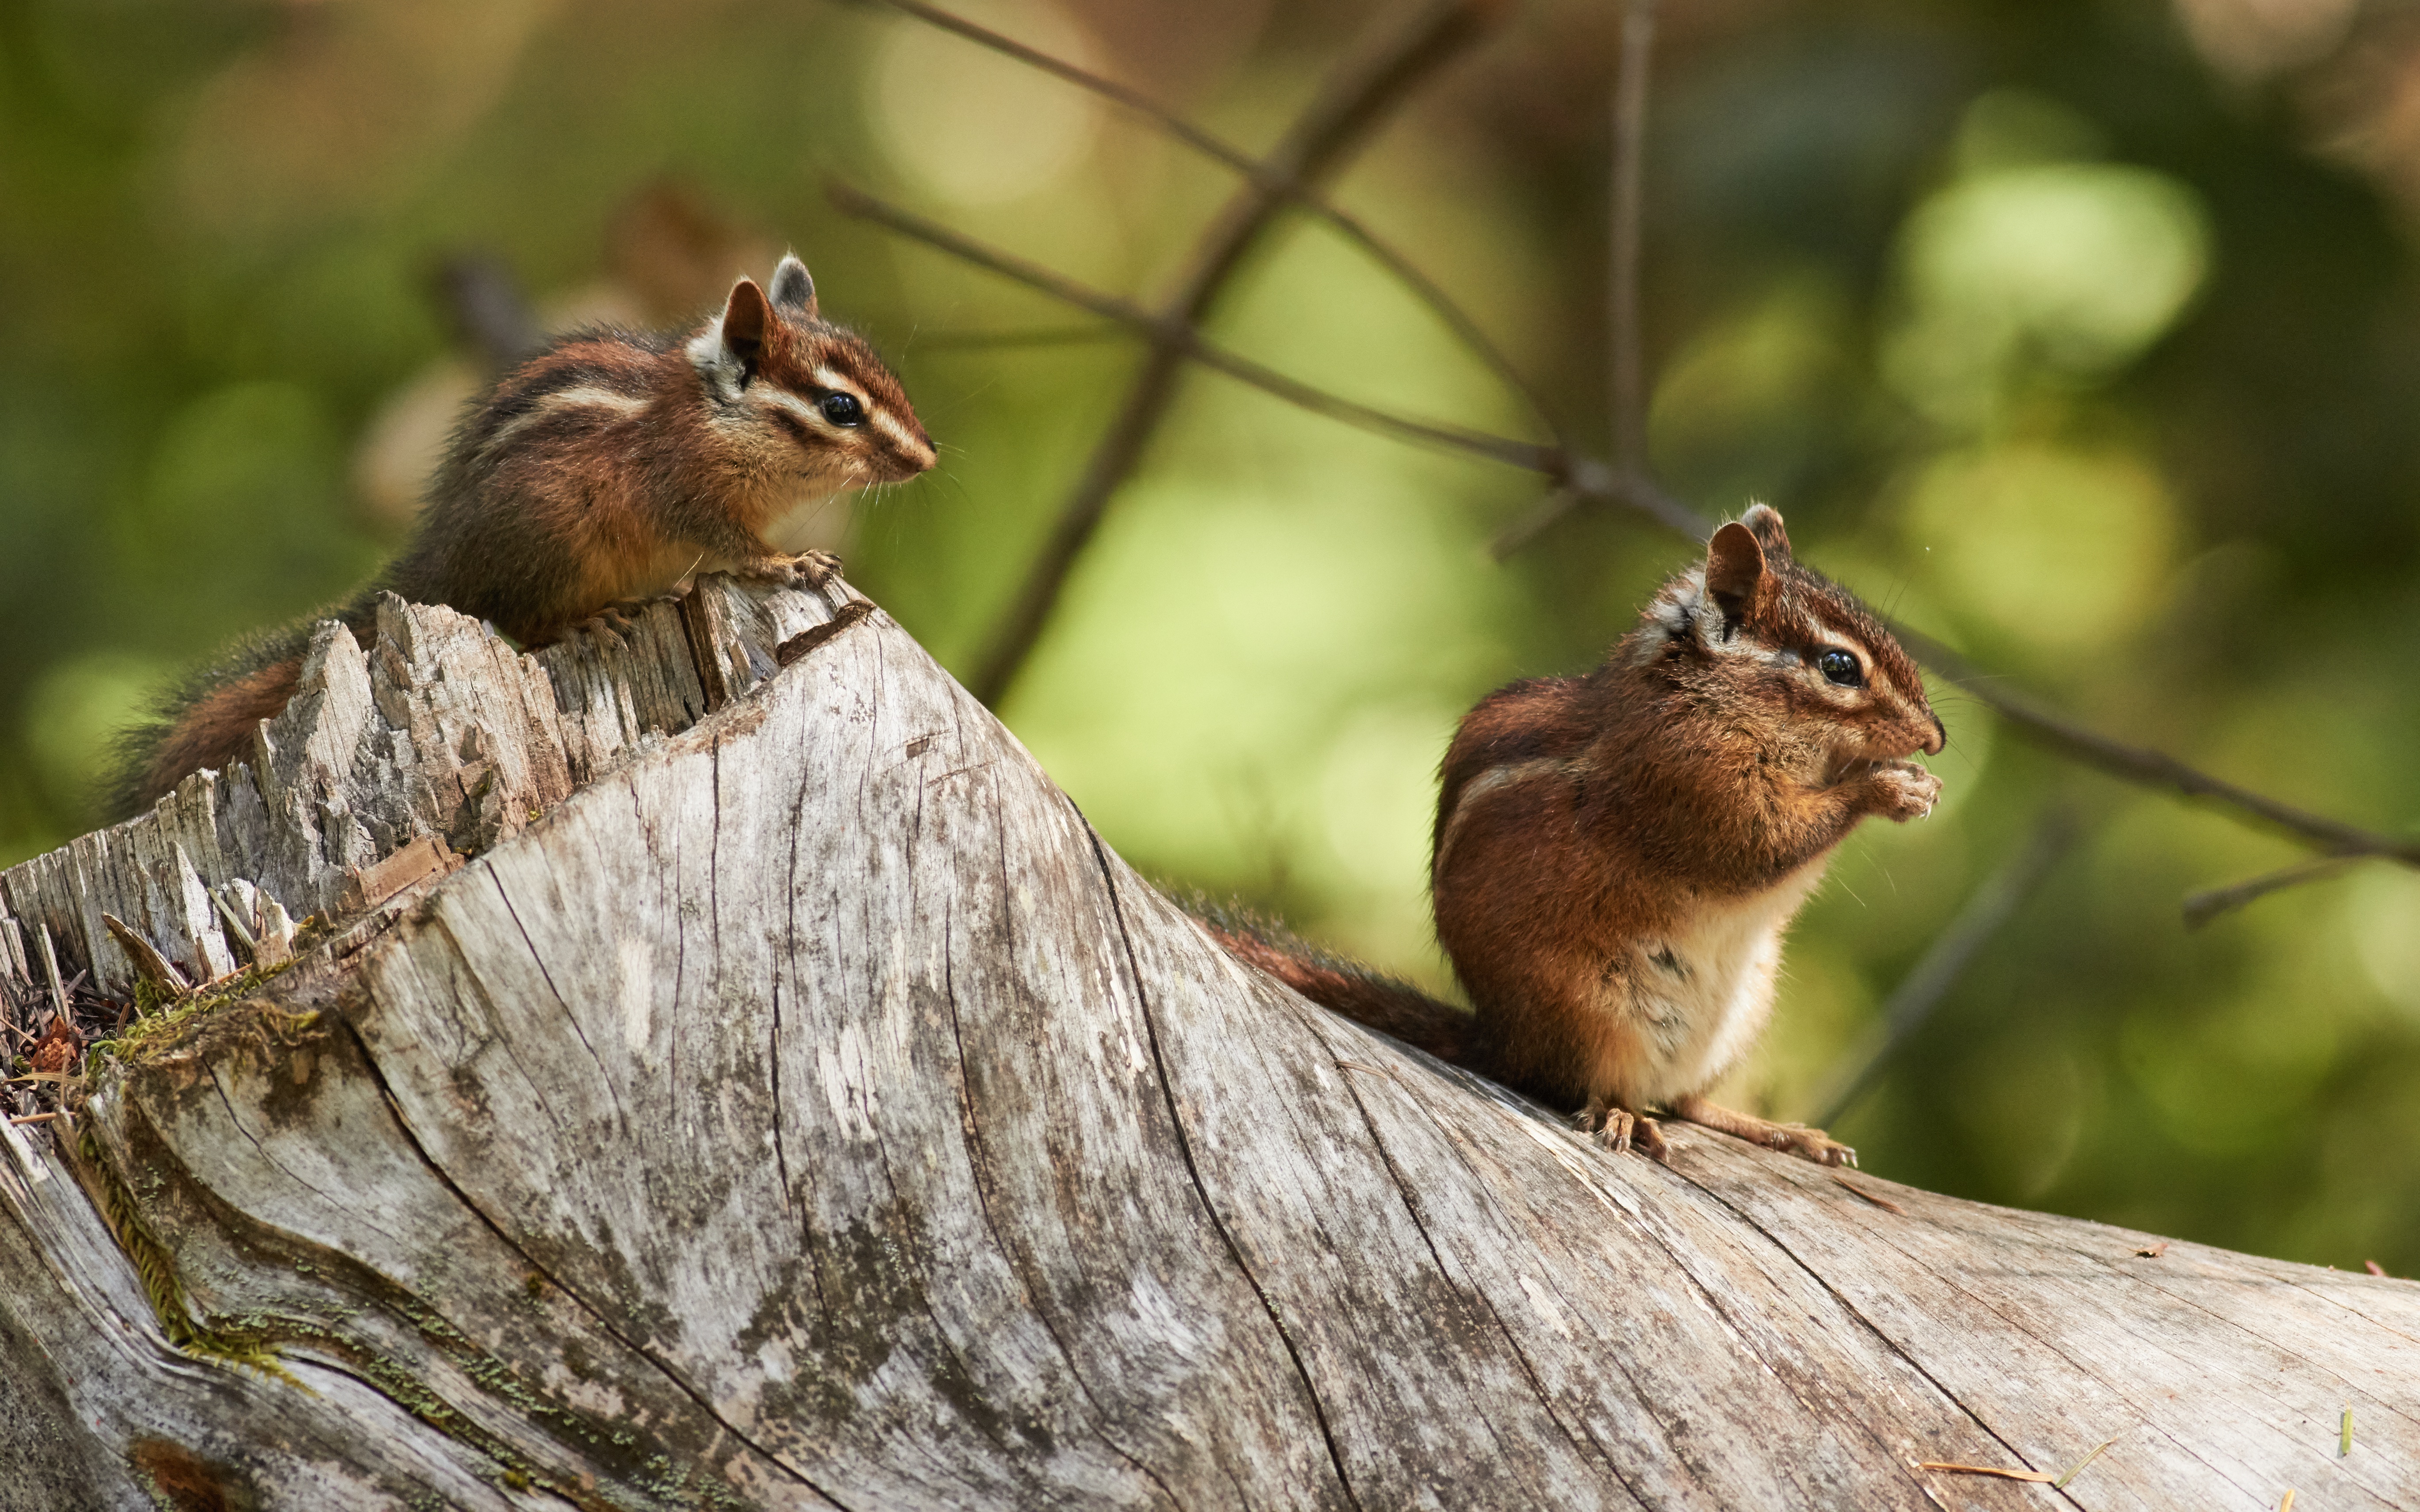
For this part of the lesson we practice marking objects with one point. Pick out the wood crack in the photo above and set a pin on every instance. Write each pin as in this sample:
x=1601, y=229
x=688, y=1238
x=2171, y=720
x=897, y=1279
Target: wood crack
x=603, y=1078
x=1582, y=1437
x=1474, y=1292
x=1849, y=1307
x=1193, y=1170
x=596, y=1315
x=979, y=1162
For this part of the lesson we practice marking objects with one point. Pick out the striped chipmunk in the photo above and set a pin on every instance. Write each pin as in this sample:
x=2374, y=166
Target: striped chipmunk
x=1617, y=855
x=595, y=476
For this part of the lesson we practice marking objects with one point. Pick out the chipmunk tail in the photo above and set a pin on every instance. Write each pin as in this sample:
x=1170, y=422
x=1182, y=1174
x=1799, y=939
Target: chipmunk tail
x=1338, y=984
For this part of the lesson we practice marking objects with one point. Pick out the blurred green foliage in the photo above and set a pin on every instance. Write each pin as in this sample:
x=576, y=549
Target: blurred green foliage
x=2082, y=333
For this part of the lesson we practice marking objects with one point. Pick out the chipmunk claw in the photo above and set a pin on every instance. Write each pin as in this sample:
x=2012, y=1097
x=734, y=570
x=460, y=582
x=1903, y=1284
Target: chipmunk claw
x=1808, y=1145
x=1788, y=1138
x=808, y=569
x=1618, y=1129
x=1816, y=1146
x=1904, y=790
x=619, y=619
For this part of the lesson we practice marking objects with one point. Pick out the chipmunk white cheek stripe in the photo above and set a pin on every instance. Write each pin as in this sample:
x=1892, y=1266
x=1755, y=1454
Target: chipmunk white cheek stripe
x=897, y=432
x=797, y=405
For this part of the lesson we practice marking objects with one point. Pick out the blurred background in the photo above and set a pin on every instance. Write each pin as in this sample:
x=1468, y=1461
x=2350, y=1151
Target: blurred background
x=2083, y=334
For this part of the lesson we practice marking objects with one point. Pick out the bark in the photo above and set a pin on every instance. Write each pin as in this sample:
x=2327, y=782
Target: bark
x=792, y=1104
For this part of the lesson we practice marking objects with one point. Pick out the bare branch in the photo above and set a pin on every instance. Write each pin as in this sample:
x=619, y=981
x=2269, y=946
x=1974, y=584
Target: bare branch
x=1585, y=480
x=1633, y=482
x=1186, y=341
x=988, y=341
x=487, y=310
x=1293, y=189
x=2151, y=769
x=1991, y=905
x=2202, y=907
x=1627, y=390
x=1355, y=98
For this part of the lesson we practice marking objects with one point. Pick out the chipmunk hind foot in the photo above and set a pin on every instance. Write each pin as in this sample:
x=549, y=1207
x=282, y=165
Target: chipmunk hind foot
x=1618, y=1129
x=1790, y=1138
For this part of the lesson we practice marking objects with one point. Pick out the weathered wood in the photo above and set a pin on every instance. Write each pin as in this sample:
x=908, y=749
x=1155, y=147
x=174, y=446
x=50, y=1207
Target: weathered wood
x=795, y=1105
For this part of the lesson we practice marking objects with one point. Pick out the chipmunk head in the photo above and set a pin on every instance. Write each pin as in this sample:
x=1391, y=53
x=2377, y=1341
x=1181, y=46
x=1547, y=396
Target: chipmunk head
x=810, y=396
x=1795, y=640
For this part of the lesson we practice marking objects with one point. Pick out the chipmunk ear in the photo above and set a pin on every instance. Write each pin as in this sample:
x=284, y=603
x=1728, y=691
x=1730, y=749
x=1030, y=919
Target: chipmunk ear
x=1764, y=522
x=1735, y=569
x=794, y=288
x=744, y=318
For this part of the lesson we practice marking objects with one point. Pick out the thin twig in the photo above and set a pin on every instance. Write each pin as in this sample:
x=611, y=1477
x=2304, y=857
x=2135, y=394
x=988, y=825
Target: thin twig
x=1876, y=1199
x=2210, y=903
x=1581, y=478
x=1921, y=991
x=2151, y=769
x=1355, y=98
x=1264, y=174
x=1183, y=339
x=982, y=341
x=1627, y=389
x=2060, y=1484
x=51, y=969
x=1632, y=480
x=1957, y=1469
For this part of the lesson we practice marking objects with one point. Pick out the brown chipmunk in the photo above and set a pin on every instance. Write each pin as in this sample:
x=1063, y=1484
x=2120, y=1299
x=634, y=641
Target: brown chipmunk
x=597, y=475
x=1617, y=855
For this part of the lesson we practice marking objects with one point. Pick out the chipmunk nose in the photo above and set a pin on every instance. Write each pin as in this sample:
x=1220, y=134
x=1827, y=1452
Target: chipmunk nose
x=1940, y=736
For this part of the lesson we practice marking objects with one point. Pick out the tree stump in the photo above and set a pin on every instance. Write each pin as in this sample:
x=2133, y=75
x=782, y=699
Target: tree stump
x=791, y=1102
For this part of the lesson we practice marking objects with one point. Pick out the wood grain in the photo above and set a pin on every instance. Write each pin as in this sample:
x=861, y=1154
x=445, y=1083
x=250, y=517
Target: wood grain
x=796, y=1105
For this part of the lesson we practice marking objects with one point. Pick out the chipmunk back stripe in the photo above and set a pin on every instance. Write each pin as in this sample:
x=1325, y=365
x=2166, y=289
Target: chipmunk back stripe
x=585, y=403
x=1493, y=779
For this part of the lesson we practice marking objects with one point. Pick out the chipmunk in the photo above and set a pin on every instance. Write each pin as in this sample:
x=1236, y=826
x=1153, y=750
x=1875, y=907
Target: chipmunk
x=595, y=476
x=1617, y=855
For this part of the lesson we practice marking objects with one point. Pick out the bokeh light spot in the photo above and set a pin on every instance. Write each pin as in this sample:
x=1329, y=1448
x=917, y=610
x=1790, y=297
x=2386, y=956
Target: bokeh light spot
x=974, y=127
x=2070, y=269
x=2053, y=549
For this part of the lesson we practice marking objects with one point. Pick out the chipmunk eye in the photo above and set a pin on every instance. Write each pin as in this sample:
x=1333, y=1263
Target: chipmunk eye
x=843, y=409
x=1840, y=667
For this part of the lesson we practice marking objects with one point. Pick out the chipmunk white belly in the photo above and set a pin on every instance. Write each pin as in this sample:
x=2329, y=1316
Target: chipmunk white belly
x=1702, y=996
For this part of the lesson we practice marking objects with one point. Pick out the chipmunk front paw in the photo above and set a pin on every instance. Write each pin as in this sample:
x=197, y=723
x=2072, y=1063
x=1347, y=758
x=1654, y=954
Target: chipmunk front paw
x=1903, y=791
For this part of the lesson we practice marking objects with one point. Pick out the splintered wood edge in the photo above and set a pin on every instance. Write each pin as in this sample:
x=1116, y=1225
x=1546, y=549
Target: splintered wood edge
x=576, y=709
